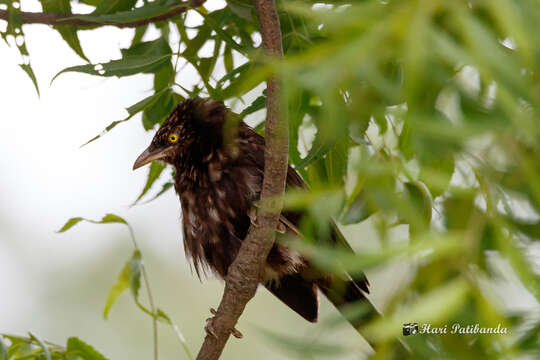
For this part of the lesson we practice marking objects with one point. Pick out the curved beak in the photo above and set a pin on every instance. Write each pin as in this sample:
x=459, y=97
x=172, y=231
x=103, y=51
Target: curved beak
x=148, y=156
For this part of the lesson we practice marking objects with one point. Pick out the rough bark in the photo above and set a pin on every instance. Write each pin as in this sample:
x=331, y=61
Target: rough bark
x=244, y=273
x=79, y=19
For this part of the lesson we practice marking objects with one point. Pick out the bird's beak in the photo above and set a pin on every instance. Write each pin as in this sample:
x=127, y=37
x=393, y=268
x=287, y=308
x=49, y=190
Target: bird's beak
x=148, y=156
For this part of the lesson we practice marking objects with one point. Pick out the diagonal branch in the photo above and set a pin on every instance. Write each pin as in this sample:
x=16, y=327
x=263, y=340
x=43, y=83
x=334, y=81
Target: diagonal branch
x=79, y=19
x=243, y=275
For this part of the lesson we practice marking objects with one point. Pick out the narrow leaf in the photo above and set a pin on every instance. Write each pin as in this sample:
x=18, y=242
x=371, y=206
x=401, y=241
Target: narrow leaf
x=78, y=347
x=135, y=264
x=68, y=32
x=123, y=67
x=163, y=190
x=44, y=347
x=70, y=223
x=28, y=70
x=132, y=111
x=121, y=284
x=257, y=104
x=148, y=11
x=112, y=218
x=156, y=168
x=3, y=350
x=113, y=6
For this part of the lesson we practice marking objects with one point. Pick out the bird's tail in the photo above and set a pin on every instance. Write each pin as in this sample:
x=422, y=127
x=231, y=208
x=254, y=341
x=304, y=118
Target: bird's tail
x=344, y=291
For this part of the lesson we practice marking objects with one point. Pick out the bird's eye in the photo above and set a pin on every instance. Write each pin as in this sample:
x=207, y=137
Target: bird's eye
x=173, y=138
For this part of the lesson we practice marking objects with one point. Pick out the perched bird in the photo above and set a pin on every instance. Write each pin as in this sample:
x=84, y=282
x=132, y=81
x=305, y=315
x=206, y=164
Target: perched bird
x=219, y=164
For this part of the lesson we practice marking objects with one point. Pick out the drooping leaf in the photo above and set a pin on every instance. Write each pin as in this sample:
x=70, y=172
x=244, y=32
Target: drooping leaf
x=28, y=69
x=121, y=284
x=135, y=264
x=44, y=348
x=112, y=218
x=212, y=20
x=163, y=190
x=357, y=210
x=148, y=11
x=305, y=347
x=421, y=201
x=131, y=65
x=156, y=168
x=228, y=59
x=68, y=32
x=107, y=219
x=257, y=104
x=132, y=110
x=158, y=110
x=77, y=347
x=3, y=350
x=70, y=223
x=113, y=6
x=129, y=277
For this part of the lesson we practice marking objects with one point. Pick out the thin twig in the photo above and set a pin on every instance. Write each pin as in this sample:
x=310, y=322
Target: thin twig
x=149, y=293
x=79, y=19
x=243, y=275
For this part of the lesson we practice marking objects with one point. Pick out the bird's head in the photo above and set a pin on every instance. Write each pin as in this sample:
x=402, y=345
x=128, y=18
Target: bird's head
x=194, y=127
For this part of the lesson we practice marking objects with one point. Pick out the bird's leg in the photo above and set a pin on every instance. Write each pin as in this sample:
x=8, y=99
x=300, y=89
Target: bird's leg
x=253, y=216
x=209, y=328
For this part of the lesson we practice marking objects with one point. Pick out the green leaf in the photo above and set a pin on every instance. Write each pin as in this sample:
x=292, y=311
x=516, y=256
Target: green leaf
x=148, y=11
x=434, y=307
x=132, y=110
x=163, y=317
x=68, y=32
x=158, y=110
x=356, y=210
x=44, y=347
x=70, y=223
x=437, y=174
x=112, y=218
x=257, y=104
x=143, y=57
x=113, y=6
x=3, y=350
x=79, y=348
x=228, y=59
x=194, y=45
x=336, y=162
x=163, y=190
x=129, y=277
x=156, y=168
x=124, y=67
x=144, y=103
x=107, y=219
x=214, y=25
x=420, y=199
x=28, y=70
x=135, y=264
x=121, y=284
x=305, y=347
x=531, y=229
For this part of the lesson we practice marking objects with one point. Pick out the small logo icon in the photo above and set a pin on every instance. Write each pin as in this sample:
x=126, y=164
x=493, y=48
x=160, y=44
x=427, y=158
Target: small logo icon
x=410, y=329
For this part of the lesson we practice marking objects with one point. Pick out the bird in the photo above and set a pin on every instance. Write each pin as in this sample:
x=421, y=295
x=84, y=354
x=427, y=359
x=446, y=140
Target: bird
x=219, y=164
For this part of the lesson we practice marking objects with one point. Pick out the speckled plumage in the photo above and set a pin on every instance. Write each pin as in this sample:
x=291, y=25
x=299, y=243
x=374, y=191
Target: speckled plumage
x=219, y=163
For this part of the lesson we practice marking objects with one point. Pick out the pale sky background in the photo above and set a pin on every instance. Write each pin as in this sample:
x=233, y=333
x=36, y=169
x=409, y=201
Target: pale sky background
x=55, y=285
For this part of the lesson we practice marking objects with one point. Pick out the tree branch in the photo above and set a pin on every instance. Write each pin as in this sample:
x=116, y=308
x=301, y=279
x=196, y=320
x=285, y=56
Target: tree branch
x=244, y=273
x=79, y=19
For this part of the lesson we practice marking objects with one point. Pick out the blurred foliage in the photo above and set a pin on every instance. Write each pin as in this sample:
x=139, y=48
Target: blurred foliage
x=425, y=113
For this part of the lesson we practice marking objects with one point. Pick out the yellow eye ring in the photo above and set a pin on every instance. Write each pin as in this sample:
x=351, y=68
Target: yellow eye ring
x=173, y=138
